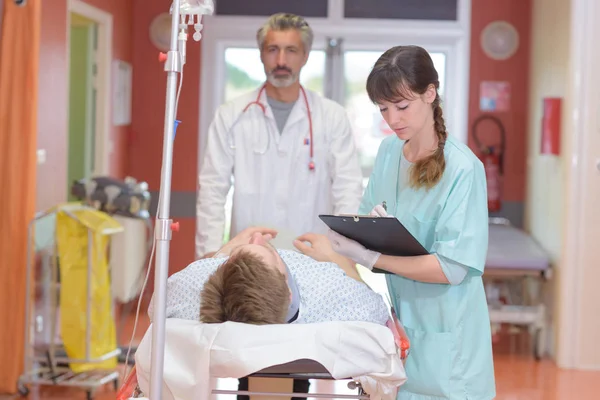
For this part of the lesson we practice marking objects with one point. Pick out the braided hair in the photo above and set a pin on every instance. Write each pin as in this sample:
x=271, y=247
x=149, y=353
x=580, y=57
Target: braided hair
x=397, y=74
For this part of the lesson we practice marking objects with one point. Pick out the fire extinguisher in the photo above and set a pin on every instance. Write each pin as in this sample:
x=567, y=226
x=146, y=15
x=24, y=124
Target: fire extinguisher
x=492, y=158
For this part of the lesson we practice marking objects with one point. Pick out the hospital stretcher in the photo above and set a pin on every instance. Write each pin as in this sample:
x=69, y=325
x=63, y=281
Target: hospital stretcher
x=513, y=254
x=370, y=356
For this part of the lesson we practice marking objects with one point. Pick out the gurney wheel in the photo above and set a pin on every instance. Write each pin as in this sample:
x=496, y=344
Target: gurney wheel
x=89, y=395
x=23, y=390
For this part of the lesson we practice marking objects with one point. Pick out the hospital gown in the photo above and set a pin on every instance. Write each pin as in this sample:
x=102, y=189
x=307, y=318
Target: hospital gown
x=326, y=292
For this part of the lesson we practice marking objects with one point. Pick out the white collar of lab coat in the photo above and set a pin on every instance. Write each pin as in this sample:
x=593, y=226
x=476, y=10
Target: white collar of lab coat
x=299, y=111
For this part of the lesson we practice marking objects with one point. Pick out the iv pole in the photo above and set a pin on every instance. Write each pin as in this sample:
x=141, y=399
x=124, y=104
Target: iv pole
x=175, y=59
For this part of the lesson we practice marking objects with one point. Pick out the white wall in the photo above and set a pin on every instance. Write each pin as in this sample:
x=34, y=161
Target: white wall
x=579, y=297
x=562, y=206
x=546, y=175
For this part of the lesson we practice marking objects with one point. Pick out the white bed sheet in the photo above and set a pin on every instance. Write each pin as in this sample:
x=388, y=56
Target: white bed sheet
x=361, y=351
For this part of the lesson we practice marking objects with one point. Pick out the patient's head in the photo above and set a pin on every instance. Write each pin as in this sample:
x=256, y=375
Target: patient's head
x=249, y=288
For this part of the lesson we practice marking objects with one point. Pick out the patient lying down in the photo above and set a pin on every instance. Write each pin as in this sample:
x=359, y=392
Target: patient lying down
x=249, y=281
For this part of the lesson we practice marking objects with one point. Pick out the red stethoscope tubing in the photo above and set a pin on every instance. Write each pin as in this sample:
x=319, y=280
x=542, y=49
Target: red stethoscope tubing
x=311, y=164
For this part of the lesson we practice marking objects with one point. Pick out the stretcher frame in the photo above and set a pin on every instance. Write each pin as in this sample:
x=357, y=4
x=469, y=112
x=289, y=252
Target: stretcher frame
x=532, y=316
x=52, y=369
x=300, y=369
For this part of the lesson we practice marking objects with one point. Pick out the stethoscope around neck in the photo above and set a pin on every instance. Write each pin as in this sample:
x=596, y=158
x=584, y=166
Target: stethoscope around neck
x=256, y=103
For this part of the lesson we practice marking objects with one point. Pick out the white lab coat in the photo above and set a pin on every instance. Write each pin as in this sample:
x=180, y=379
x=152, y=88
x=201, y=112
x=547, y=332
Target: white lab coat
x=276, y=188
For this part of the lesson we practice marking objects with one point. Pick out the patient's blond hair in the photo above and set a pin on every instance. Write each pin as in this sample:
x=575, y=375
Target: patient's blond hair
x=245, y=289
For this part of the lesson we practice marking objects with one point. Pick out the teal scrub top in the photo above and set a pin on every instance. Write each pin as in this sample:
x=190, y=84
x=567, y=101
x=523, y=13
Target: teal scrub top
x=448, y=325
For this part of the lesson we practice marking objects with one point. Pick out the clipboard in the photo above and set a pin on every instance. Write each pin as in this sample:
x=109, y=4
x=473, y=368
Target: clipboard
x=385, y=235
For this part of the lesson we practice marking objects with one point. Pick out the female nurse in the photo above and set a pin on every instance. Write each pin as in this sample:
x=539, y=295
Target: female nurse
x=436, y=187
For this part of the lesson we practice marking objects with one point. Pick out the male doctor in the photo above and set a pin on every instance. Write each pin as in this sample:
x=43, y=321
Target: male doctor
x=267, y=148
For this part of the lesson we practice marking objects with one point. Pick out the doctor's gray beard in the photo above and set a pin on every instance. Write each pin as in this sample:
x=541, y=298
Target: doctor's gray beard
x=282, y=82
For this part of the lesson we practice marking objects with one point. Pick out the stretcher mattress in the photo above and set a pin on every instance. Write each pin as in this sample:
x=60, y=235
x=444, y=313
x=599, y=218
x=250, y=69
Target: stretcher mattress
x=512, y=248
x=195, y=352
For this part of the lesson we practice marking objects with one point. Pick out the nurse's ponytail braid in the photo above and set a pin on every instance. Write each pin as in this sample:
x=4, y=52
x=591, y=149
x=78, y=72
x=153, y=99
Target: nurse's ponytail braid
x=427, y=172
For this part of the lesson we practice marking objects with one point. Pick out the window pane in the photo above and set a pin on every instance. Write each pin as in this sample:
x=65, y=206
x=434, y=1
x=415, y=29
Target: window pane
x=402, y=9
x=368, y=126
x=306, y=8
x=245, y=71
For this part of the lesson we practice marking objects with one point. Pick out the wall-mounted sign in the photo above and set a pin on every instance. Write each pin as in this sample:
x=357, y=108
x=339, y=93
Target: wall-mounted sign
x=494, y=96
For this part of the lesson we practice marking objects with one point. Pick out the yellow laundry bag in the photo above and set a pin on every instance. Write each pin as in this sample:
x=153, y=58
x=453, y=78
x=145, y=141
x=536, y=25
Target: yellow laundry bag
x=81, y=231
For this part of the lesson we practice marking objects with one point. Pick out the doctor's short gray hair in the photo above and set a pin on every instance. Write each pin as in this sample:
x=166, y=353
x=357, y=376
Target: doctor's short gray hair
x=284, y=22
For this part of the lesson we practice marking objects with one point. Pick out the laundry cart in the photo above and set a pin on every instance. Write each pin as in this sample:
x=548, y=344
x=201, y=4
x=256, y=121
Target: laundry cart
x=70, y=335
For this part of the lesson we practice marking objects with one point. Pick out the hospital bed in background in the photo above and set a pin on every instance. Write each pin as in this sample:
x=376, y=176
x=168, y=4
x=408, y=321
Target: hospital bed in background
x=516, y=260
x=195, y=354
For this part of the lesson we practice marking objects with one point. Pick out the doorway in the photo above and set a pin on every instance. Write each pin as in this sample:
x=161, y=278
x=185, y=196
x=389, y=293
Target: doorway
x=90, y=52
x=83, y=93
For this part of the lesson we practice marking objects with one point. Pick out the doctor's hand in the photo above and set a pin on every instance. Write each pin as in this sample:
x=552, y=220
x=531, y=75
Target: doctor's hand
x=320, y=247
x=353, y=250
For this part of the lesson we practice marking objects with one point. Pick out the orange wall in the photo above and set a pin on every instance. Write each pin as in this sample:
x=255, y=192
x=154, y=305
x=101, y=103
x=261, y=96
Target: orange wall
x=148, y=115
x=53, y=103
x=514, y=70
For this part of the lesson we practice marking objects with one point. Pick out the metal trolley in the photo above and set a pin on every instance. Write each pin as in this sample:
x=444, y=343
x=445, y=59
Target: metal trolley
x=45, y=360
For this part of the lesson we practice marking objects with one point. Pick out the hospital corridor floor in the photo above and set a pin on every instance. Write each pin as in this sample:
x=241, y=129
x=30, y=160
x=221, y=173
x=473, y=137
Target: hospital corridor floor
x=518, y=375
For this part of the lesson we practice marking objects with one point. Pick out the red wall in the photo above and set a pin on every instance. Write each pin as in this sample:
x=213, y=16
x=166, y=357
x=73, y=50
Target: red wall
x=148, y=115
x=53, y=103
x=515, y=70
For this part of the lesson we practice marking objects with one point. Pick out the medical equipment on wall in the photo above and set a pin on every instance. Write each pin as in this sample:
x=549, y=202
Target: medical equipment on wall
x=80, y=349
x=492, y=158
x=127, y=201
x=128, y=198
x=258, y=133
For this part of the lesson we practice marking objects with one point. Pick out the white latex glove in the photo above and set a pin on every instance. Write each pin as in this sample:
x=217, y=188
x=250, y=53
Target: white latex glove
x=353, y=250
x=379, y=211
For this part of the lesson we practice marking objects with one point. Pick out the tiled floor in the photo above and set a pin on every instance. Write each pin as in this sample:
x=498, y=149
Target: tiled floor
x=518, y=377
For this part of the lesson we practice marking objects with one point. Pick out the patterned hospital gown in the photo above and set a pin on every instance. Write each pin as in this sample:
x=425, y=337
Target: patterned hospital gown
x=326, y=293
